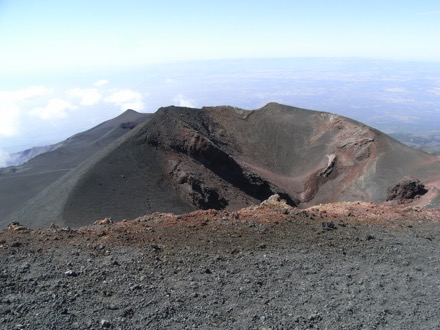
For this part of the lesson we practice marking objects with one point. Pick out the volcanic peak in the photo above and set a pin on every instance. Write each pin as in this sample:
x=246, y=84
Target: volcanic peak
x=182, y=159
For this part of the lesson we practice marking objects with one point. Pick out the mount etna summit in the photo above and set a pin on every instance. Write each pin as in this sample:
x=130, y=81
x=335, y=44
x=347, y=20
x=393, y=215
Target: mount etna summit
x=222, y=218
x=182, y=159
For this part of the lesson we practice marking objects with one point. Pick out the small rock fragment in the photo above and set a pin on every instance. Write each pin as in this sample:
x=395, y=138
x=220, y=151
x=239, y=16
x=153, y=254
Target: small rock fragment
x=105, y=221
x=328, y=225
x=105, y=324
x=15, y=226
x=71, y=273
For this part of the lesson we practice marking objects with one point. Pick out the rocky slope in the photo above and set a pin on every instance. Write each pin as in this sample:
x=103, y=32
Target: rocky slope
x=347, y=265
x=21, y=183
x=184, y=159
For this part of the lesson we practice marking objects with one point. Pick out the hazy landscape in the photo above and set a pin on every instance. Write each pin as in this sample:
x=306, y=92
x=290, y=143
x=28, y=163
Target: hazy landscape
x=350, y=195
x=219, y=165
x=398, y=97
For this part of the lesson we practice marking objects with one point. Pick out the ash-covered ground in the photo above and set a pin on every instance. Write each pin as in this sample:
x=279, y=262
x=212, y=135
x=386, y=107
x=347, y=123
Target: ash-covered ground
x=335, y=266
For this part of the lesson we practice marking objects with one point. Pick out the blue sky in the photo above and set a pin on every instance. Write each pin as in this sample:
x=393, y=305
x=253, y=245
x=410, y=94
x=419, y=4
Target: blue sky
x=68, y=65
x=53, y=35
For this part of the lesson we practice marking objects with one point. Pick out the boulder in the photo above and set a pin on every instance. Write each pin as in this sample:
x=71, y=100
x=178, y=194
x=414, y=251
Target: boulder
x=407, y=188
x=275, y=200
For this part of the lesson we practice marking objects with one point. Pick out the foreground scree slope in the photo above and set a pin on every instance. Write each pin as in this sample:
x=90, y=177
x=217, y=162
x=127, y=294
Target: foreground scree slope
x=335, y=266
x=184, y=159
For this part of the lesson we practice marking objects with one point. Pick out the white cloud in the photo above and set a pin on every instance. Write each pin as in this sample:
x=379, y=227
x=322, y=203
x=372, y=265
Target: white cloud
x=182, y=101
x=55, y=109
x=126, y=99
x=396, y=90
x=435, y=90
x=22, y=94
x=4, y=157
x=101, y=82
x=406, y=118
x=88, y=96
x=9, y=123
x=10, y=107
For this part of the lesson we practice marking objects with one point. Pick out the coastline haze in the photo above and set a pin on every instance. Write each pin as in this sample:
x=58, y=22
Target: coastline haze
x=393, y=96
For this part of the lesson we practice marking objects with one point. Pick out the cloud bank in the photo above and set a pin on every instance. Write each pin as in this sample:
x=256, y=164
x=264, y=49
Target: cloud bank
x=55, y=109
x=126, y=99
x=90, y=96
x=183, y=101
x=10, y=107
x=26, y=112
x=101, y=82
x=4, y=157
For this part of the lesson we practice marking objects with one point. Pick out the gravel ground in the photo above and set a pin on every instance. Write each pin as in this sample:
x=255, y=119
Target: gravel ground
x=260, y=268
